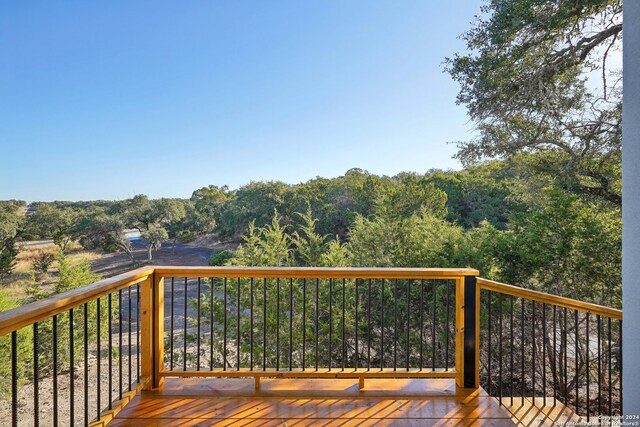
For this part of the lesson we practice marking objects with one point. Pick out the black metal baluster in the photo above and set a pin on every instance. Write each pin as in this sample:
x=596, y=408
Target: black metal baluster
x=317, y=318
x=138, y=316
x=251, y=289
x=395, y=324
x=330, y=320
x=184, y=328
x=356, y=343
x=587, y=363
x=544, y=354
x=277, y=324
x=620, y=361
x=128, y=331
x=446, y=329
x=264, y=324
x=490, y=338
x=120, y=344
x=599, y=322
x=408, y=288
x=500, y=347
x=533, y=350
x=344, y=343
x=369, y=325
x=304, y=323
x=72, y=373
x=171, y=315
x=55, y=371
x=36, y=385
x=110, y=350
x=224, y=328
x=14, y=379
x=577, y=359
x=198, y=317
x=98, y=351
x=522, y=382
x=610, y=363
x=211, y=319
x=421, y=323
x=566, y=371
x=238, y=330
x=433, y=326
x=511, y=351
x=85, y=331
x=555, y=357
x=290, y=325
x=382, y=326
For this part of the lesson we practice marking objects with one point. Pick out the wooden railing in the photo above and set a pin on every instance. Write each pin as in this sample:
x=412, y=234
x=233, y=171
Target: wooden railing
x=541, y=349
x=275, y=322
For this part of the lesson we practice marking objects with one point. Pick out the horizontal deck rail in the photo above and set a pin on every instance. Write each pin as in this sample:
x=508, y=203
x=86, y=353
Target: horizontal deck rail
x=285, y=322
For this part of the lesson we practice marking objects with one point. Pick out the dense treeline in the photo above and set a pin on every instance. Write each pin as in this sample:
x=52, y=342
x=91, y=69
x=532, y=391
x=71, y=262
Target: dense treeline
x=499, y=217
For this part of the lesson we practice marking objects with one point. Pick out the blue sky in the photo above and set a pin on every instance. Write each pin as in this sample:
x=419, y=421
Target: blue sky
x=105, y=100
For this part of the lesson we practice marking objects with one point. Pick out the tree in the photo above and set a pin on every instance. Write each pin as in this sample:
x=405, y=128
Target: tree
x=10, y=224
x=539, y=78
x=97, y=229
x=207, y=202
x=57, y=223
x=411, y=194
x=151, y=217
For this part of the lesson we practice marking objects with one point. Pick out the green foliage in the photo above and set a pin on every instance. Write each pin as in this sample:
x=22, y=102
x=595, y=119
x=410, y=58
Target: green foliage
x=565, y=246
x=417, y=241
x=529, y=83
x=43, y=261
x=220, y=257
x=410, y=195
x=49, y=221
x=151, y=217
x=10, y=224
x=96, y=229
x=25, y=349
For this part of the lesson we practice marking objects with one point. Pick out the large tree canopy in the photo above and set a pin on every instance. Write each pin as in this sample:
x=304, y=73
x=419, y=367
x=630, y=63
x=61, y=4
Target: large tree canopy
x=545, y=76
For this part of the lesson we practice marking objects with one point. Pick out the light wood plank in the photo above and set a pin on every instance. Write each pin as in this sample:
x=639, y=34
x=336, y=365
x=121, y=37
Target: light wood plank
x=107, y=416
x=182, y=402
x=312, y=373
x=549, y=299
x=146, y=330
x=316, y=272
x=158, y=330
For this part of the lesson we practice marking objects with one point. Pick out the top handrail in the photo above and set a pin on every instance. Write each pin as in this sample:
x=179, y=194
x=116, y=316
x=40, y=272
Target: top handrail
x=573, y=304
x=316, y=272
x=28, y=314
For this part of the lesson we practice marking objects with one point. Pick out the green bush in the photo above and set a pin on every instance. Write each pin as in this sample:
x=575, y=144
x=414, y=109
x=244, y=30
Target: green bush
x=220, y=257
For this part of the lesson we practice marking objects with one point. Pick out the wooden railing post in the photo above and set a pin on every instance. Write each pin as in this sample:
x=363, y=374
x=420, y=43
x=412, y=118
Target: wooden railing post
x=146, y=330
x=158, y=330
x=467, y=332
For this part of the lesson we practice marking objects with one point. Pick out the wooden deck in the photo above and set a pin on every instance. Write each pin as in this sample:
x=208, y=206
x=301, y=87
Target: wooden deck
x=306, y=402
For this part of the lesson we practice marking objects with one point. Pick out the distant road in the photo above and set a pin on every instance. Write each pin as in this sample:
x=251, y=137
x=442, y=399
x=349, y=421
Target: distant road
x=36, y=243
x=139, y=242
x=136, y=241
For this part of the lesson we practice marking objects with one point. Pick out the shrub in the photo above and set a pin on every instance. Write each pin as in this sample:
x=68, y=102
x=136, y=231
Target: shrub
x=42, y=262
x=220, y=257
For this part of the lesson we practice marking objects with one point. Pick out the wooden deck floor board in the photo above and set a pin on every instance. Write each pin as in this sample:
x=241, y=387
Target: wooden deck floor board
x=314, y=402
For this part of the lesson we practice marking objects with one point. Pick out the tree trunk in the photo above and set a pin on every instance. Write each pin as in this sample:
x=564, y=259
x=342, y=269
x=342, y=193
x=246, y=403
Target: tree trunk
x=149, y=252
